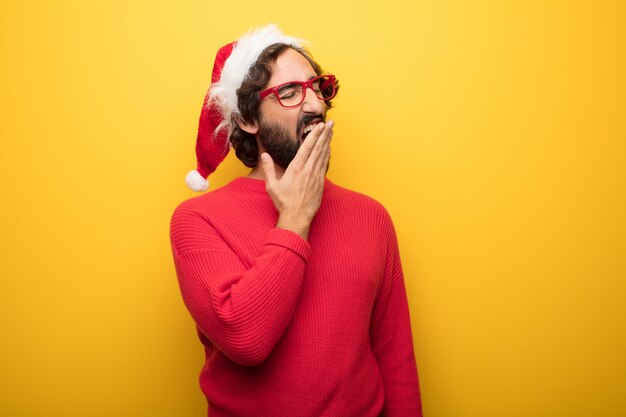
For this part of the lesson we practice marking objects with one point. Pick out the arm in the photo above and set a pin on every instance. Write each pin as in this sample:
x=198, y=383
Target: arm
x=243, y=311
x=392, y=341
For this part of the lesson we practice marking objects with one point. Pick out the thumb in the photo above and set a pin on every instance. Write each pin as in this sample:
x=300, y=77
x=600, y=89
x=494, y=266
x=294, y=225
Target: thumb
x=268, y=167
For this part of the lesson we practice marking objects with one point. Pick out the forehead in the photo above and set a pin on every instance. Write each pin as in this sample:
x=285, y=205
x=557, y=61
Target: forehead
x=291, y=66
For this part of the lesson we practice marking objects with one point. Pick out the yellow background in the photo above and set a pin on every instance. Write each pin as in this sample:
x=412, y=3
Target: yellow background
x=493, y=131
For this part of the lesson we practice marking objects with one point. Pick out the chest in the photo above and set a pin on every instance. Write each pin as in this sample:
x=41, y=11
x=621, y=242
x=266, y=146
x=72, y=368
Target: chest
x=346, y=263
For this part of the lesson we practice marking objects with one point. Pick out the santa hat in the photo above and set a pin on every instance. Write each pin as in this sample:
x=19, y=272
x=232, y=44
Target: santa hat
x=232, y=63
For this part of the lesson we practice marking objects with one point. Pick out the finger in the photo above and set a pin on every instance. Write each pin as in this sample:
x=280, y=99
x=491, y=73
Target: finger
x=322, y=160
x=268, y=168
x=326, y=160
x=322, y=137
x=317, y=152
x=308, y=145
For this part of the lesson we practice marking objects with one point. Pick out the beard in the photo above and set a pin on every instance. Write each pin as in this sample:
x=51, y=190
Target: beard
x=279, y=143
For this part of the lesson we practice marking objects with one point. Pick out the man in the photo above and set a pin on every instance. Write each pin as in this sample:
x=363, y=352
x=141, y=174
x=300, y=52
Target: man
x=294, y=283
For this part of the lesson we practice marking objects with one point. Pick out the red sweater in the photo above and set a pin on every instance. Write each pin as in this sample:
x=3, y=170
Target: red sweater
x=292, y=327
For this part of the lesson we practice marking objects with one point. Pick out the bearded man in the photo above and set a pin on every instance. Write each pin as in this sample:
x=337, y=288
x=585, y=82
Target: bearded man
x=294, y=283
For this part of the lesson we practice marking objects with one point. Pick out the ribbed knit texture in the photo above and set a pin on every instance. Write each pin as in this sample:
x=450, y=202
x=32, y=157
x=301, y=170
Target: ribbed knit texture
x=291, y=327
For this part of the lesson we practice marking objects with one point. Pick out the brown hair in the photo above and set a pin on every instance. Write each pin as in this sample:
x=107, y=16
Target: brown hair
x=248, y=101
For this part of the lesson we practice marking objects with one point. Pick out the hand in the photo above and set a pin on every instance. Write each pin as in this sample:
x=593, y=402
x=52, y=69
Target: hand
x=297, y=195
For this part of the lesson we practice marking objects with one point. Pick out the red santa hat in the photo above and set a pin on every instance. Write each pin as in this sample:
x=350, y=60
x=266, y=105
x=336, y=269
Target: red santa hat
x=232, y=63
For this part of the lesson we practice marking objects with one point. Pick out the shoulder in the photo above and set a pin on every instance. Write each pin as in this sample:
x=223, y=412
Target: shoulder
x=358, y=204
x=355, y=198
x=196, y=220
x=205, y=201
x=196, y=207
x=240, y=202
x=235, y=195
x=205, y=206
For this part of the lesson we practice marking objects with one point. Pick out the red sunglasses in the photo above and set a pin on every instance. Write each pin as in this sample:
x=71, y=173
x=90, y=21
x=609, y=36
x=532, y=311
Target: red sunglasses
x=292, y=93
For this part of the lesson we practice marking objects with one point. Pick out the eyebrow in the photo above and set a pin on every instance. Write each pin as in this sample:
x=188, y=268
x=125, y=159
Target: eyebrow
x=290, y=84
x=310, y=78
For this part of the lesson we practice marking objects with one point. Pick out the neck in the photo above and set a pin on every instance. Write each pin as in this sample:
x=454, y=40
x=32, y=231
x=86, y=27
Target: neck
x=258, y=173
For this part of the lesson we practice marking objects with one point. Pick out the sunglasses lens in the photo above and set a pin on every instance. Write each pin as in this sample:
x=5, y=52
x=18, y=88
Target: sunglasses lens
x=326, y=87
x=290, y=94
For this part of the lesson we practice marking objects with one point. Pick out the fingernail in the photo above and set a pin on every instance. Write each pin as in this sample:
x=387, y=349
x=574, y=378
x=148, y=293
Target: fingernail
x=330, y=123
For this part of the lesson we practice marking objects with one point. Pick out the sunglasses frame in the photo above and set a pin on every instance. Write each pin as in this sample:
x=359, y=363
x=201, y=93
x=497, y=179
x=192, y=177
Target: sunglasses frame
x=304, y=85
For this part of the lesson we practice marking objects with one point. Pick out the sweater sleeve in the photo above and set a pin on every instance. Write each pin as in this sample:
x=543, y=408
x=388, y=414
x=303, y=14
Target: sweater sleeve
x=242, y=310
x=392, y=341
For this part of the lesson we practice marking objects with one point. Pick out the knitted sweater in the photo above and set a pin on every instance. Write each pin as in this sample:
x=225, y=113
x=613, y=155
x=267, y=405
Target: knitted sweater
x=292, y=327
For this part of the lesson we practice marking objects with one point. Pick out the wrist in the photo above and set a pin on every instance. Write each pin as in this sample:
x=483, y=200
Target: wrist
x=296, y=224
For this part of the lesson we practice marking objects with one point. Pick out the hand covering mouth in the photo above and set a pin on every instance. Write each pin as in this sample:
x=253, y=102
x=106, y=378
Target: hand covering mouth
x=307, y=124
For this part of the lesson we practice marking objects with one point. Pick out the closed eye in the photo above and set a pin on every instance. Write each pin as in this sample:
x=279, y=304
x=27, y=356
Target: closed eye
x=288, y=90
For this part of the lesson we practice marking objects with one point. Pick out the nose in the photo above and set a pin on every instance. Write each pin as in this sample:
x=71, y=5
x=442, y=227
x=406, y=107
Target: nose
x=311, y=103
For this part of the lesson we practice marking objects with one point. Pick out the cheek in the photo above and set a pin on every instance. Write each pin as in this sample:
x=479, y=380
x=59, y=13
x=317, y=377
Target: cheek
x=287, y=118
x=290, y=121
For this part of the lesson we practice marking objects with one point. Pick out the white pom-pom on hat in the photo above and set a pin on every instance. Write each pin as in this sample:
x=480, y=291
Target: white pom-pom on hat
x=196, y=182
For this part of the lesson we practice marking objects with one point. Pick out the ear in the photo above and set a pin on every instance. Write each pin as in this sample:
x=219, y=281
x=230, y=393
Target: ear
x=251, y=128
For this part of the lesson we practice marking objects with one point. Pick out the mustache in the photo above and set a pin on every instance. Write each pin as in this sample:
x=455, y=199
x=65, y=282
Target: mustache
x=306, y=119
